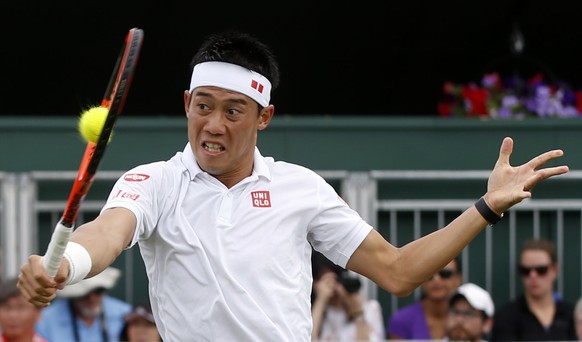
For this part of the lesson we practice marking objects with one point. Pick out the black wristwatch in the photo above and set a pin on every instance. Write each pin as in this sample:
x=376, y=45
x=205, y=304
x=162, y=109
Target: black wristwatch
x=488, y=214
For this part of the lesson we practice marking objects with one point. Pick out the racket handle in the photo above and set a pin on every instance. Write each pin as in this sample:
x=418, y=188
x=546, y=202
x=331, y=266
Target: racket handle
x=56, y=248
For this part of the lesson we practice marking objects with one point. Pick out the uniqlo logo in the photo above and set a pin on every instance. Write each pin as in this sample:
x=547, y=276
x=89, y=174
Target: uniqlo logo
x=256, y=85
x=261, y=199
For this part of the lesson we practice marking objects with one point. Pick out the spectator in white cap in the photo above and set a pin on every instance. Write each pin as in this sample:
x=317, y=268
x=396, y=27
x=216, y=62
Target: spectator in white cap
x=84, y=312
x=470, y=315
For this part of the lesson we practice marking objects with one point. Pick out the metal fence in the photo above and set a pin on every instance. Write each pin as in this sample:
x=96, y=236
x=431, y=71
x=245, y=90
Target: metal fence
x=491, y=261
x=9, y=234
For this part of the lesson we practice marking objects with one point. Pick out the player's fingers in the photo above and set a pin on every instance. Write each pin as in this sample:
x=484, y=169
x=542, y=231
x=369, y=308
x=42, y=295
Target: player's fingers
x=543, y=158
x=23, y=282
x=42, y=300
x=28, y=293
x=505, y=151
x=38, y=271
x=62, y=274
x=34, y=292
x=544, y=174
x=37, y=277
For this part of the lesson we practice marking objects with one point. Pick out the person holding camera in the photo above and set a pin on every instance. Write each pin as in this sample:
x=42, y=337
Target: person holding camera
x=339, y=311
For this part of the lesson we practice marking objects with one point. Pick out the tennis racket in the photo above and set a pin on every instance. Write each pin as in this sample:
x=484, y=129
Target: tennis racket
x=113, y=100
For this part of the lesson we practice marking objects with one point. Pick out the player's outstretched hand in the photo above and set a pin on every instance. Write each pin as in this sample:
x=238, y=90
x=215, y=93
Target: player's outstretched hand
x=509, y=185
x=36, y=285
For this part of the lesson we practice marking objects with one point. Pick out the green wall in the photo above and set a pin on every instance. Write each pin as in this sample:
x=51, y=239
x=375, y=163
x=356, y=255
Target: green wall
x=324, y=143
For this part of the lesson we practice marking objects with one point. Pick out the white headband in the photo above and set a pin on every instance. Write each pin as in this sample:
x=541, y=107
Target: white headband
x=232, y=77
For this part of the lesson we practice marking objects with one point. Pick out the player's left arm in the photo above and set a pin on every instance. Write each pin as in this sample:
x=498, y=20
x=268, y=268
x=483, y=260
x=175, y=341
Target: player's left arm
x=401, y=270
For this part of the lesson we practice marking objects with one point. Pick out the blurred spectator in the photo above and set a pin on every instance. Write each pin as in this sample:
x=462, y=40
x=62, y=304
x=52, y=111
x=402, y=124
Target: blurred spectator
x=84, y=312
x=339, y=310
x=426, y=319
x=578, y=319
x=470, y=315
x=537, y=314
x=17, y=316
x=140, y=325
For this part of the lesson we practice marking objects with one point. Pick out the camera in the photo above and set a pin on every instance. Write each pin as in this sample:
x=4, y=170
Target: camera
x=350, y=282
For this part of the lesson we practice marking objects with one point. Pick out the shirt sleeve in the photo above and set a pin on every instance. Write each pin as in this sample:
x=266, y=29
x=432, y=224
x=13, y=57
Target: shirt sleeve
x=336, y=230
x=140, y=190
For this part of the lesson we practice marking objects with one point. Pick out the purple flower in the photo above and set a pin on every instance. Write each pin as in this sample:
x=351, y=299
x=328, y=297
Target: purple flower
x=504, y=112
x=490, y=80
x=569, y=97
x=510, y=101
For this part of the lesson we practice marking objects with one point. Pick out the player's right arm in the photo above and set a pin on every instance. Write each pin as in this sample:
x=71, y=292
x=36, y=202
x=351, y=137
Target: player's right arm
x=104, y=239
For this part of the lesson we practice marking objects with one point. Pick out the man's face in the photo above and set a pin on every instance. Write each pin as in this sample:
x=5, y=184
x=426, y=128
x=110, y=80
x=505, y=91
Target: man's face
x=17, y=317
x=465, y=323
x=222, y=131
x=90, y=305
x=537, y=272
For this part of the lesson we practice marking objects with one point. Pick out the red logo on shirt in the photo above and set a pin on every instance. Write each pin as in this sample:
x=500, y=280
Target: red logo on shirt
x=135, y=177
x=261, y=199
x=124, y=194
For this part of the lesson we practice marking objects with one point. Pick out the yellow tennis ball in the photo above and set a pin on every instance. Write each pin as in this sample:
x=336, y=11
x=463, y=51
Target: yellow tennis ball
x=91, y=123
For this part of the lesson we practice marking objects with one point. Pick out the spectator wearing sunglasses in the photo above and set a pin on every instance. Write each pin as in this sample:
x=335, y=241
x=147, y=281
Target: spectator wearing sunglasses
x=426, y=319
x=537, y=314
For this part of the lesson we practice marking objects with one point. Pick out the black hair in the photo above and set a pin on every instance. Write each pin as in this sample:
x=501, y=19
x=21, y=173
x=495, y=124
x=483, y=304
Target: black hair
x=241, y=49
x=144, y=305
x=321, y=264
x=458, y=262
x=9, y=289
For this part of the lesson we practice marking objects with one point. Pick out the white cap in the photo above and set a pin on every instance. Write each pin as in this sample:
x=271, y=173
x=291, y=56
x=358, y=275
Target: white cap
x=106, y=279
x=477, y=297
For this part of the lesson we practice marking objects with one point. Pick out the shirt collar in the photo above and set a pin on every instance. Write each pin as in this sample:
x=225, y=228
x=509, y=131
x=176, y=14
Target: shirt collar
x=260, y=168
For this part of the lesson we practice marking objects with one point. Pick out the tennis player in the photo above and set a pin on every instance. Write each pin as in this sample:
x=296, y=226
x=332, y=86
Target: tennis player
x=226, y=234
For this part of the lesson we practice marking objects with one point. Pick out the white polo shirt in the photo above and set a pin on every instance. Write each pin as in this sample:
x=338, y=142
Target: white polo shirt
x=234, y=264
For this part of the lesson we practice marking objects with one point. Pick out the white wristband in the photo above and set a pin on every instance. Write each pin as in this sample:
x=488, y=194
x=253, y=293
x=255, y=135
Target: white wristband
x=79, y=262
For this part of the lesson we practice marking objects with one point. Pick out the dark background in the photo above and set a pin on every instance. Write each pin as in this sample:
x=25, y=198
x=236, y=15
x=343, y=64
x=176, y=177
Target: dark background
x=337, y=58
